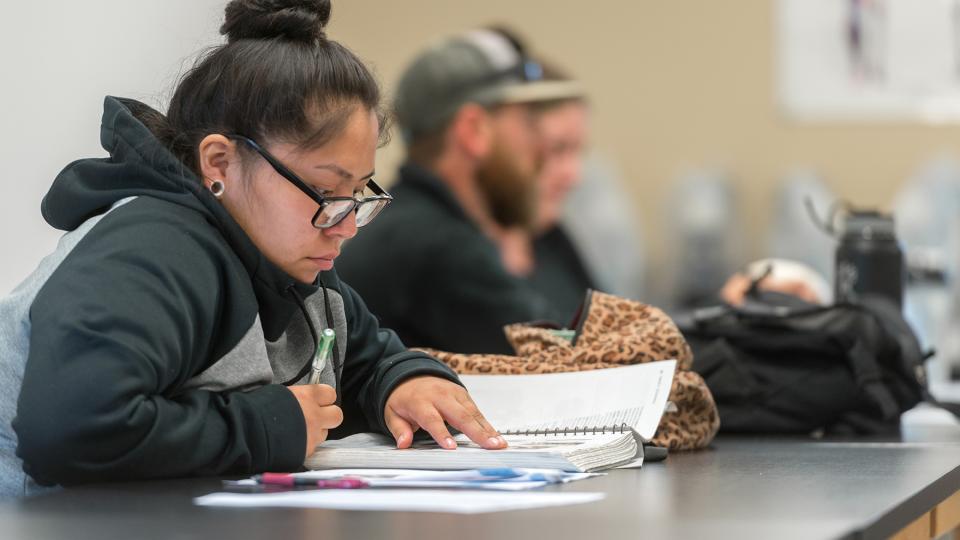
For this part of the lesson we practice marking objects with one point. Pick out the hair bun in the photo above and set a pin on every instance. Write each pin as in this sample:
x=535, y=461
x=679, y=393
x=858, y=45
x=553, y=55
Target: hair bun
x=295, y=20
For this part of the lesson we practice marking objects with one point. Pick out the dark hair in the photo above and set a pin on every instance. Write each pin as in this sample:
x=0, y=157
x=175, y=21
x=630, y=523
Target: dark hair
x=277, y=78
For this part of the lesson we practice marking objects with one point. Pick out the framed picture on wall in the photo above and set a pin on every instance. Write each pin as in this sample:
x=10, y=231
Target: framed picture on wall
x=869, y=60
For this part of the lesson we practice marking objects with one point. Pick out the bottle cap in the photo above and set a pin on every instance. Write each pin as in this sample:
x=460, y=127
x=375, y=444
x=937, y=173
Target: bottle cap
x=869, y=225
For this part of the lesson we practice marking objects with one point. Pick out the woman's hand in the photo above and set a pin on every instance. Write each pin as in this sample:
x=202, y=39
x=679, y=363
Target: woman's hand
x=426, y=402
x=319, y=412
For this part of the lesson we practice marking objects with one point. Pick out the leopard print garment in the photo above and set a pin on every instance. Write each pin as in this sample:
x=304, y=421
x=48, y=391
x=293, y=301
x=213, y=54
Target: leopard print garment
x=615, y=333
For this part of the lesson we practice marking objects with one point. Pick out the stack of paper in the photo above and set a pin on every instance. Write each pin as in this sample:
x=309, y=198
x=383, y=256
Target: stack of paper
x=572, y=453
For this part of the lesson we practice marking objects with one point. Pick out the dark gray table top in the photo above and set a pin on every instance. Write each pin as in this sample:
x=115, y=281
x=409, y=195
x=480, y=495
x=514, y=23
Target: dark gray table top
x=741, y=488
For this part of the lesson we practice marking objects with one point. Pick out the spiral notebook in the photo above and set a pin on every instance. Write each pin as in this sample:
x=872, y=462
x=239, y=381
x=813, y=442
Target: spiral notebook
x=579, y=422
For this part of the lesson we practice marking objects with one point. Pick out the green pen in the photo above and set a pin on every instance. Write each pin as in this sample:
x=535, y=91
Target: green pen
x=322, y=356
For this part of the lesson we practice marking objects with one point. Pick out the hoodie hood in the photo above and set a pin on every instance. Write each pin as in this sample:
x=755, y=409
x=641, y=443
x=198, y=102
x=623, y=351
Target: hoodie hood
x=140, y=165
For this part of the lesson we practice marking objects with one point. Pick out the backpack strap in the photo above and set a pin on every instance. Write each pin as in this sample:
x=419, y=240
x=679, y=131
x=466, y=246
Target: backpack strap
x=867, y=375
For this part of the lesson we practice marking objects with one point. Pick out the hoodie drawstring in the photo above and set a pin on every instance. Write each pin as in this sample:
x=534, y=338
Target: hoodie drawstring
x=337, y=363
x=337, y=366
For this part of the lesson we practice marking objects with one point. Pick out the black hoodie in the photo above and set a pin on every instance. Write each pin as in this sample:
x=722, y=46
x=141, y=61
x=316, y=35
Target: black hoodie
x=160, y=336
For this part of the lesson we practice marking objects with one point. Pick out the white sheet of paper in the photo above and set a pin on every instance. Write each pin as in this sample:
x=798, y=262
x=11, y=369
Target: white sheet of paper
x=634, y=395
x=491, y=486
x=401, y=500
x=414, y=478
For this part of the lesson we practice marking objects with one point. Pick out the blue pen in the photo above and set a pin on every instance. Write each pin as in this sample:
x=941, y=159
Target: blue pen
x=553, y=478
x=470, y=475
x=503, y=472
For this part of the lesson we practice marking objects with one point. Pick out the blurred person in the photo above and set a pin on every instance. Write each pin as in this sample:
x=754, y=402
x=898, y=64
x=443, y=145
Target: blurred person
x=708, y=241
x=481, y=182
x=927, y=211
x=794, y=233
x=800, y=260
x=603, y=222
x=704, y=238
x=173, y=332
x=781, y=275
x=467, y=109
x=585, y=235
x=545, y=255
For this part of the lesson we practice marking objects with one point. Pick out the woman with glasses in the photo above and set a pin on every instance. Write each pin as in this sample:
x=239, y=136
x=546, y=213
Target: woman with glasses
x=174, y=329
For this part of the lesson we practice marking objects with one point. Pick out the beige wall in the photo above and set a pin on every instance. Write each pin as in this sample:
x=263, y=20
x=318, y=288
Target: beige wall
x=676, y=84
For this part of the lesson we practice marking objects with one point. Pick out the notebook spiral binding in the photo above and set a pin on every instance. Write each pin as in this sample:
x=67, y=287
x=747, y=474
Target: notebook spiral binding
x=584, y=430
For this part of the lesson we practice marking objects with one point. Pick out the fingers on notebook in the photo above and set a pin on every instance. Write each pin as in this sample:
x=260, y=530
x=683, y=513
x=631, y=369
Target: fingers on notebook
x=430, y=403
x=462, y=413
x=468, y=403
x=432, y=422
x=425, y=417
x=401, y=430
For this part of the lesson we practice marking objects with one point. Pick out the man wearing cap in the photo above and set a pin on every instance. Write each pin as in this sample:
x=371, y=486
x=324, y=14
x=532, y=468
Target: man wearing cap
x=465, y=109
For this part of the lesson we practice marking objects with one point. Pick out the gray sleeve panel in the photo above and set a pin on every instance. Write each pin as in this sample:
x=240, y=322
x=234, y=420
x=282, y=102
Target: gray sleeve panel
x=15, y=330
x=245, y=367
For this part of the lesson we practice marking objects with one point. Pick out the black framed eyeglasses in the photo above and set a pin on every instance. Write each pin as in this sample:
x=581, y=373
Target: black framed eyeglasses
x=332, y=209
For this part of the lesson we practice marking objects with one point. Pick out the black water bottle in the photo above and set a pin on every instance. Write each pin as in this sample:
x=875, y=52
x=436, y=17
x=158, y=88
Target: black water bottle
x=869, y=260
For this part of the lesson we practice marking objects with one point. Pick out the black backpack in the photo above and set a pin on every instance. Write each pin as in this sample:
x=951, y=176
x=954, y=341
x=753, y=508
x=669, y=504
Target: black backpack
x=780, y=365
